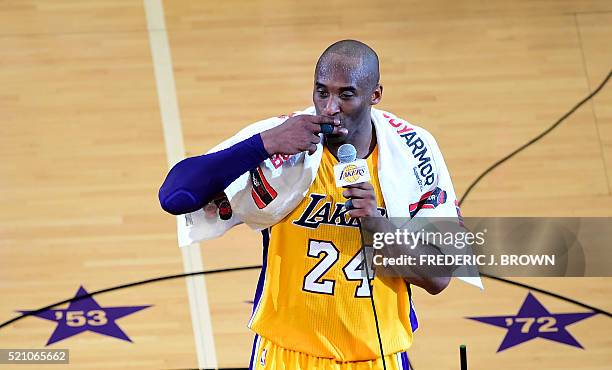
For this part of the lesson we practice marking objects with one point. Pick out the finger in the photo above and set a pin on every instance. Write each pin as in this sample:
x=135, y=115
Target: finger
x=356, y=203
x=327, y=129
x=315, y=139
x=358, y=193
x=324, y=119
x=357, y=213
x=362, y=185
x=349, y=193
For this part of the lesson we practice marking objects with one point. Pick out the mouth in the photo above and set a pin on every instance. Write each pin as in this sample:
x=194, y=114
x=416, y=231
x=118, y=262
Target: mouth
x=338, y=117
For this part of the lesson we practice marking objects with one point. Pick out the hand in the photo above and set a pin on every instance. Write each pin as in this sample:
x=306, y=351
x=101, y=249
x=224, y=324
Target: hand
x=363, y=198
x=298, y=134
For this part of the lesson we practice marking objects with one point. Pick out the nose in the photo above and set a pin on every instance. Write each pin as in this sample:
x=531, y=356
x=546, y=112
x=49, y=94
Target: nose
x=331, y=107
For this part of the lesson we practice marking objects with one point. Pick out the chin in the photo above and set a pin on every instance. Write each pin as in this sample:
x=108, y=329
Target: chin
x=335, y=139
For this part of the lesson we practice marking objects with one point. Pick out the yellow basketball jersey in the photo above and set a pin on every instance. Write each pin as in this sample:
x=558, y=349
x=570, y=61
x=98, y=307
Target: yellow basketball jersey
x=312, y=295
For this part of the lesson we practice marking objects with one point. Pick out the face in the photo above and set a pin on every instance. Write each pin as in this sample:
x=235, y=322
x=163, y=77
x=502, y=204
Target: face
x=340, y=90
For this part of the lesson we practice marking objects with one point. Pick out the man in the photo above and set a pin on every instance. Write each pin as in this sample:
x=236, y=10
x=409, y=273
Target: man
x=313, y=304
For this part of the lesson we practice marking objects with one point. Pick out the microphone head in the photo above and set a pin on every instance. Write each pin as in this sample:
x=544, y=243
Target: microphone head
x=347, y=153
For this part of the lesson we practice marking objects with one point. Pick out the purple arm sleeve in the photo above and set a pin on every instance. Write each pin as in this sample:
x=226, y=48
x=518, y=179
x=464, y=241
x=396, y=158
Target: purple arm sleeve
x=194, y=181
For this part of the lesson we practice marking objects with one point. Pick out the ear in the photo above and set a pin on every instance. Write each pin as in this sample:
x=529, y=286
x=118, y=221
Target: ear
x=376, y=95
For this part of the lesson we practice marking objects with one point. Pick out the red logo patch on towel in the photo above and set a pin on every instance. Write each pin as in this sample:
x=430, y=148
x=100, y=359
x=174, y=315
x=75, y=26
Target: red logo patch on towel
x=262, y=193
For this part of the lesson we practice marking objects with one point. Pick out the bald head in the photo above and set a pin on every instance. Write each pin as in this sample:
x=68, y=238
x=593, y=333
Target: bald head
x=352, y=57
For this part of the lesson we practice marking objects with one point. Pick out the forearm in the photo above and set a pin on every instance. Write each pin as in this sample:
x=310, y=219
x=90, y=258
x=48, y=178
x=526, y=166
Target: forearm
x=194, y=181
x=431, y=278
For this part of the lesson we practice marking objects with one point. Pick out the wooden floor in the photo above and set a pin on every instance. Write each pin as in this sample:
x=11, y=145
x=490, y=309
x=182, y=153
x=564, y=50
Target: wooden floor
x=83, y=155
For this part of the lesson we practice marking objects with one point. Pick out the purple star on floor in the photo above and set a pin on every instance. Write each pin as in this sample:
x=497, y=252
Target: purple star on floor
x=532, y=321
x=86, y=315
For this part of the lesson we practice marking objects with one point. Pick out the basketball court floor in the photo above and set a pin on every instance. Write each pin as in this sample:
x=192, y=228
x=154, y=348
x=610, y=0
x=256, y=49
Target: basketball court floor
x=98, y=98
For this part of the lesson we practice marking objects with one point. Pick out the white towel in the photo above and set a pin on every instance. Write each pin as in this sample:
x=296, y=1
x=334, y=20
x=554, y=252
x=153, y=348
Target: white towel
x=411, y=169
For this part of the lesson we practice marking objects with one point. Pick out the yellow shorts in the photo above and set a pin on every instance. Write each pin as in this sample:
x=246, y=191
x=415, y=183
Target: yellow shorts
x=267, y=355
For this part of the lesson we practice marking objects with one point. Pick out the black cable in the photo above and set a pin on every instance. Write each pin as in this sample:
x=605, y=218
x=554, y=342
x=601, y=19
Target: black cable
x=534, y=140
x=365, y=262
x=254, y=267
x=243, y=268
x=467, y=192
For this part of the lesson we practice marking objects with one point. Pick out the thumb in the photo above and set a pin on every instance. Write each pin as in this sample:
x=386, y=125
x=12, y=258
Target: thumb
x=312, y=149
x=341, y=131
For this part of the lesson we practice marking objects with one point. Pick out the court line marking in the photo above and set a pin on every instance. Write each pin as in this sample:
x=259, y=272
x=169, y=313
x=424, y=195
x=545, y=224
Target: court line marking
x=175, y=151
x=593, y=107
